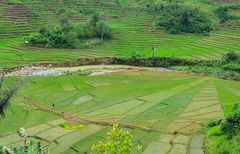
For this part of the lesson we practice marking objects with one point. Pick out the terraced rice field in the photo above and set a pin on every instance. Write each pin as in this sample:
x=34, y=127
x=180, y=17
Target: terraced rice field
x=132, y=27
x=165, y=110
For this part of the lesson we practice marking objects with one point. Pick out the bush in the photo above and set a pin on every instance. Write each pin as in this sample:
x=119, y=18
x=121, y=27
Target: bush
x=60, y=37
x=69, y=36
x=231, y=56
x=222, y=13
x=214, y=123
x=232, y=67
x=177, y=17
x=117, y=142
x=231, y=124
x=223, y=149
x=222, y=137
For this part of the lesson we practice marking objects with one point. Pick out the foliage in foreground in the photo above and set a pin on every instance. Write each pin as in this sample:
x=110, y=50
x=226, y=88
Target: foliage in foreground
x=7, y=91
x=231, y=124
x=67, y=35
x=117, y=142
x=223, y=136
x=27, y=148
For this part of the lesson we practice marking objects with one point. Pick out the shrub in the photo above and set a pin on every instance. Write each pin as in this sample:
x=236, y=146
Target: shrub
x=85, y=72
x=117, y=142
x=7, y=92
x=231, y=56
x=222, y=13
x=231, y=124
x=69, y=36
x=232, y=66
x=177, y=17
x=214, y=123
x=236, y=142
x=102, y=30
x=222, y=149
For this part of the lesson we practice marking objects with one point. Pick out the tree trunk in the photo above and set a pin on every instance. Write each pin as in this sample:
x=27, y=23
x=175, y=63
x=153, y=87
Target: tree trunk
x=102, y=36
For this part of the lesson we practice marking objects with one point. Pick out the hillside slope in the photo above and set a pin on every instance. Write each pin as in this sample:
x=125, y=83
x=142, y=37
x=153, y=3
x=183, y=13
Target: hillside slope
x=131, y=23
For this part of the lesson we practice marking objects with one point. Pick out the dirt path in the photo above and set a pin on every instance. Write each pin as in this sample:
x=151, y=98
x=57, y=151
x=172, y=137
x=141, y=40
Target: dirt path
x=68, y=116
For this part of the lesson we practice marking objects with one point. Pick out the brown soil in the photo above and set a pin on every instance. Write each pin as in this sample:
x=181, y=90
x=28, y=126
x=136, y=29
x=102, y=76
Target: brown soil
x=68, y=116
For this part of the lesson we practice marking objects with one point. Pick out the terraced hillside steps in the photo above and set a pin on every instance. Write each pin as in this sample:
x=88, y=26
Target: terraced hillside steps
x=164, y=114
x=58, y=140
x=177, y=144
x=204, y=106
x=134, y=107
x=54, y=137
x=132, y=27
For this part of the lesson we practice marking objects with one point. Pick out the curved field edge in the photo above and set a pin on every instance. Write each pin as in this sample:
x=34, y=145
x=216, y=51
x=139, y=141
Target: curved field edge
x=132, y=26
x=156, y=107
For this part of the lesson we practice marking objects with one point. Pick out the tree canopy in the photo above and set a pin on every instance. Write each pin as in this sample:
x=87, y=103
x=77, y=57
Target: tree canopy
x=67, y=35
x=178, y=17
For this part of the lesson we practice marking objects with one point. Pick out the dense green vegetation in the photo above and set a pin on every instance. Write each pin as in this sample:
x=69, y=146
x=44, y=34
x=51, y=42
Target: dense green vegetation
x=7, y=90
x=118, y=141
x=183, y=16
x=131, y=24
x=70, y=36
x=178, y=17
x=159, y=110
x=226, y=68
x=223, y=13
x=223, y=135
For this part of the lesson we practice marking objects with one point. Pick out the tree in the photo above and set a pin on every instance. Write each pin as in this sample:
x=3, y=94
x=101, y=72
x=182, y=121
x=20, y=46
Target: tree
x=178, y=17
x=222, y=13
x=68, y=35
x=102, y=29
x=94, y=19
x=7, y=91
x=117, y=142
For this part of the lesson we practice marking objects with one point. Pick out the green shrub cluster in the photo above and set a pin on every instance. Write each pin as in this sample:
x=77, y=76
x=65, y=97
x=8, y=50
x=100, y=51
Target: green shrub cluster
x=118, y=141
x=67, y=35
x=231, y=124
x=226, y=68
x=231, y=61
x=177, y=17
x=185, y=16
x=223, y=136
x=223, y=13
